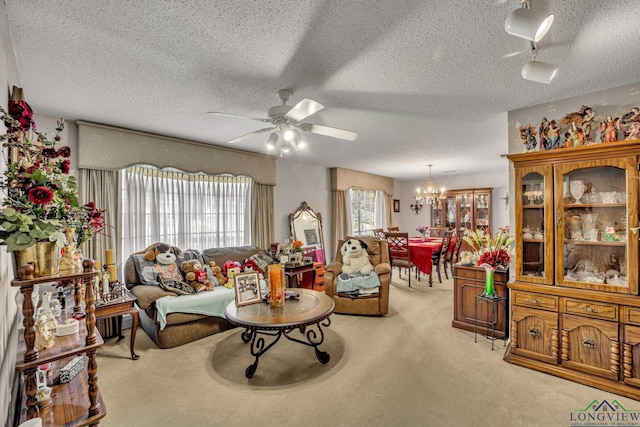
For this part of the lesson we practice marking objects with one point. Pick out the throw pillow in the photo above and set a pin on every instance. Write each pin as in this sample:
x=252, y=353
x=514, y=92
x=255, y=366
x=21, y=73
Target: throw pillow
x=263, y=260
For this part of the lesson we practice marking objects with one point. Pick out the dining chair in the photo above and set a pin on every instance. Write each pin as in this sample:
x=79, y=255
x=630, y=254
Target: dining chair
x=393, y=229
x=379, y=233
x=399, y=253
x=455, y=252
x=438, y=256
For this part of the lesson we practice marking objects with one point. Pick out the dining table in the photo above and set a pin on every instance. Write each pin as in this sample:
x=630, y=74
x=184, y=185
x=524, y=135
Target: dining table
x=421, y=253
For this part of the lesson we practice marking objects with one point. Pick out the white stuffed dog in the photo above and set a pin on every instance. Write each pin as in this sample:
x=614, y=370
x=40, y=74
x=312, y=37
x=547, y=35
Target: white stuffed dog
x=355, y=258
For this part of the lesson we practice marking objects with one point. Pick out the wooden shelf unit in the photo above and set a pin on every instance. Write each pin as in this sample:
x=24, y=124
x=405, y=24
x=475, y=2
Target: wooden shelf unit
x=78, y=402
x=575, y=304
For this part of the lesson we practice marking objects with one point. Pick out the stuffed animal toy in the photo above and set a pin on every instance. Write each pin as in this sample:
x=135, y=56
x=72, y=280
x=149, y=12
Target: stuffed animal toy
x=229, y=264
x=164, y=257
x=217, y=273
x=251, y=265
x=231, y=272
x=195, y=276
x=355, y=258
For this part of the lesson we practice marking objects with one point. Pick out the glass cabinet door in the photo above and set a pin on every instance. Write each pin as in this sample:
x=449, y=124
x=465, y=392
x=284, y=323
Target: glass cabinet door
x=437, y=213
x=593, y=218
x=534, y=233
x=482, y=210
x=465, y=211
x=451, y=220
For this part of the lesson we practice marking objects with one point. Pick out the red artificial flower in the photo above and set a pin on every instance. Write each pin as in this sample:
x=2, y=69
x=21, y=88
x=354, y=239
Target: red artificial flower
x=65, y=166
x=22, y=112
x=40, y=195
x=495, y=259
x=64, y=151
x=50, y=153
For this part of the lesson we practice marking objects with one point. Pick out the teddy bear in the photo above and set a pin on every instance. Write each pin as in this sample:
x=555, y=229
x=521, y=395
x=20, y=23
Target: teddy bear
x=162, y=259
x=217, y=273
x=355, y=258
x=231, y=272
x=195, y=276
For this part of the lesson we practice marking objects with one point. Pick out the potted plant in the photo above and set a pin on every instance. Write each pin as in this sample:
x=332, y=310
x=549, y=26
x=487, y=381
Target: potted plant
x=491, y=253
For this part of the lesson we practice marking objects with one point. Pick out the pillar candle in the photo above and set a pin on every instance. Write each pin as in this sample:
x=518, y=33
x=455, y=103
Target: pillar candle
x=108, y=255
x=112, y=273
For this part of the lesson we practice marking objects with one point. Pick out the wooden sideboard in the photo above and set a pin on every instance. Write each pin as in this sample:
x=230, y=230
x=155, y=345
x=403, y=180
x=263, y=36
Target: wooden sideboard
x=468, y=281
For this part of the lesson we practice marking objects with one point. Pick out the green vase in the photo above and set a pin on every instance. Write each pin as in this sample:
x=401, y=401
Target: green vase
x=489, y=289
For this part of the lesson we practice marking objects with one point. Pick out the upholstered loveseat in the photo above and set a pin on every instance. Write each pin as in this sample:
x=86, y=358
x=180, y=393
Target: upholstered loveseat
x=180, y=328
x=374, y=304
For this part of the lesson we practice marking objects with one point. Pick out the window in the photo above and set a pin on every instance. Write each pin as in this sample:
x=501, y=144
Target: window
x=185, y=210
x=362, y=211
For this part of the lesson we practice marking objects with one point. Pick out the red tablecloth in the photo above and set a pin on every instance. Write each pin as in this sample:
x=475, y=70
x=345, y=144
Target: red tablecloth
x=421, y=252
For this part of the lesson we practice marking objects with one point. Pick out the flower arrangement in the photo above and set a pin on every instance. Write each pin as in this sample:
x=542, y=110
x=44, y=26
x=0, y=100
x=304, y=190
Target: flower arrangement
x=40, y=198
x=297, y=246
x=610, y=234
x=488, y=250
x=422, y=229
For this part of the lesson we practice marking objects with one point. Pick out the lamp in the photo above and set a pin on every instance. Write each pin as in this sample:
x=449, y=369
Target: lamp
x=290, y=138
x=537, y=71
x=428, y=194
x=527, y=24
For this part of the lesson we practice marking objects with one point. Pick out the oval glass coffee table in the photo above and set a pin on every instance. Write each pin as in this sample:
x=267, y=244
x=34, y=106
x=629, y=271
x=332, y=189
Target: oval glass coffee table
x=305, y=316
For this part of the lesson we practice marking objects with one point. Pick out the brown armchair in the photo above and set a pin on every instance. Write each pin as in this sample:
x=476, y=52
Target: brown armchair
x=375, y=304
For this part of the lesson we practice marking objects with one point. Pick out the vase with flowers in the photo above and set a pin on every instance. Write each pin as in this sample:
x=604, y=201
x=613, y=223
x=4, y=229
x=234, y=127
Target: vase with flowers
x=491, y=253
x=297, y=250
x=40, y=197
x=423, y=230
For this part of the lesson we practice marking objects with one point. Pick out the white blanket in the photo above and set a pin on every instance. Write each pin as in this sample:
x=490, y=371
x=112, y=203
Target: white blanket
x=208, y=303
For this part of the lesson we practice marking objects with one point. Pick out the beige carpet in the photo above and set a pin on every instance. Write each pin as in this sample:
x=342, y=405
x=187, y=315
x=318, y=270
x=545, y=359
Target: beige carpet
x=410, y=368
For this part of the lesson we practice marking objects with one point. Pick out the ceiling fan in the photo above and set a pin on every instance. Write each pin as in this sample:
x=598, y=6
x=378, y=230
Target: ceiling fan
x=285, y=121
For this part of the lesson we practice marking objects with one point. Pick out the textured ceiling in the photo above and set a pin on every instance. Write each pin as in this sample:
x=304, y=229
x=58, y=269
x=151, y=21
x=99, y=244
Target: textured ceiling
x=420, y=81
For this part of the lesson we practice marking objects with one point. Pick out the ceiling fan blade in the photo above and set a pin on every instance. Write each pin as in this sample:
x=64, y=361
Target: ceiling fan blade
x=304, y=109
x=329, y=131
x=256, y=132
x=238, y=116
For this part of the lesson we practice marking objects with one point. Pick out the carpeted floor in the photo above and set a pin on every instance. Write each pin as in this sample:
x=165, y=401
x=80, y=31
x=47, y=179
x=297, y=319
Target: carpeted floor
x=410, y=368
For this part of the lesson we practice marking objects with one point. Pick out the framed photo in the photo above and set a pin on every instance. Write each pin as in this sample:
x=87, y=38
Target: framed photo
x=307, y=260
x=247, y=288
x=311, y=236
x=396, y=205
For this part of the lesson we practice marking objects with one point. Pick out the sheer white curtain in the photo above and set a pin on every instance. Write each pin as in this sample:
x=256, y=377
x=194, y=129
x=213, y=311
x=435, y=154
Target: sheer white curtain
x=185, y=210
x=380, y=210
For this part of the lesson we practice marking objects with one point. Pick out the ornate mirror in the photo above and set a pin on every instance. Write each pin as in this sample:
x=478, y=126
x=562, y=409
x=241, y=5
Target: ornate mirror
x=306, y=226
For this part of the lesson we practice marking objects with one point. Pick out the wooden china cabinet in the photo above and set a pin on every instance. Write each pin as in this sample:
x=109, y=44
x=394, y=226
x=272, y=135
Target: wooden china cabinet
x=77, y=402
x=575, y=307
x=469, y=209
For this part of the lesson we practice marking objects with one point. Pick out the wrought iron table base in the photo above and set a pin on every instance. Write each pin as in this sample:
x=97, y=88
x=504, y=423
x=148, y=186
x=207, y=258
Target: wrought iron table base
x=259, y=346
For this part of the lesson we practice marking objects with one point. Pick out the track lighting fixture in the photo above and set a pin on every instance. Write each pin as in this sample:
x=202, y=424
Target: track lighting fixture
x=527, y=24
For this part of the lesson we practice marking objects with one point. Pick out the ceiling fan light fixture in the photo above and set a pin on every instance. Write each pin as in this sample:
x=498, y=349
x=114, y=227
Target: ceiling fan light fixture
x=287, y=135
x=527, y=24
x=537, y=71
x=272, y=141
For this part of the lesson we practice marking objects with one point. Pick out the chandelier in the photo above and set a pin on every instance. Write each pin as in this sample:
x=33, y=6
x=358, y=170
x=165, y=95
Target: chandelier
x=429, y=194
x=285, y=138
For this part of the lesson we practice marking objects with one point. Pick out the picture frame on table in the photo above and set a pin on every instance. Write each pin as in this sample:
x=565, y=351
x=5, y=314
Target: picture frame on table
x=247, y=288
x=396, y=205
x=307, y=260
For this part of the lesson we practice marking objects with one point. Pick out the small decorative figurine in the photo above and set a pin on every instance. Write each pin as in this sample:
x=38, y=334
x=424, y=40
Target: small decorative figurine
x=582, y=119
x=528, y=137
x=45, y=324
x=632, y=119
x=609, y=129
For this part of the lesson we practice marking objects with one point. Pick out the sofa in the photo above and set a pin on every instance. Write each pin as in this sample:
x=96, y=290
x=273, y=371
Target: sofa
x=374, y=304
x=181, y=328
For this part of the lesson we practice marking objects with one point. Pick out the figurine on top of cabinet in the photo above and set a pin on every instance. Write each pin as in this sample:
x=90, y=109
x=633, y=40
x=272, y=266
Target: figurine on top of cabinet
x=553, y=136
x=543, y=130
x=582, y=119
x=632, y=118
x=528, y=137
x=609, y=129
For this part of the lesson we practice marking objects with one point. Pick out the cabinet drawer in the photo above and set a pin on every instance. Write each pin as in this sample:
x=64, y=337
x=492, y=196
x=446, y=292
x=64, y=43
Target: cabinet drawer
x=598, y=310
x=630, y=315
x=530, y=299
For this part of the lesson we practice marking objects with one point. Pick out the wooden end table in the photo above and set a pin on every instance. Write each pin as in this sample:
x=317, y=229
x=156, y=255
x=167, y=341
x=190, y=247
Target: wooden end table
x=294, y=271
x=311, y=309
x=119, y=307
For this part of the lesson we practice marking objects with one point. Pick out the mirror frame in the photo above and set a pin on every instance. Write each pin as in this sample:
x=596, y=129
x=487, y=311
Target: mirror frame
x=304, y=208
